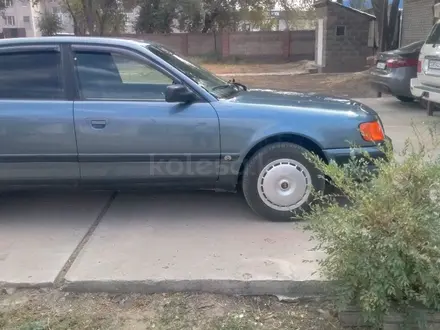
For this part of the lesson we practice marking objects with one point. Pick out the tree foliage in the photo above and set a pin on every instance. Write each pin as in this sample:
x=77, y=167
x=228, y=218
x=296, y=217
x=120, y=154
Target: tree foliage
x=156, y=16
x=297, y=13
x=200, y=15
x=97, y=17
x=49, y=24
x=103, y=17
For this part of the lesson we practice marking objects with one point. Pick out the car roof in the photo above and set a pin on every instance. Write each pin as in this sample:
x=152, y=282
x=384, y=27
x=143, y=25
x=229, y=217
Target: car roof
x=75, y=39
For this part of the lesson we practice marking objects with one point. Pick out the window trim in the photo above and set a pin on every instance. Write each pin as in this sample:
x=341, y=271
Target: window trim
x=31, y=48
x=130, y=53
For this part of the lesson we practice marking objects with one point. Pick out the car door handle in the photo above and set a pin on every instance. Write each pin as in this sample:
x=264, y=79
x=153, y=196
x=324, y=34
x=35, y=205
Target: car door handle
x=98, y=124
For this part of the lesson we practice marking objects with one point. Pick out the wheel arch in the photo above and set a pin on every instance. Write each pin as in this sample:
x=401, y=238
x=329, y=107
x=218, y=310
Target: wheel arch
x=301, y=140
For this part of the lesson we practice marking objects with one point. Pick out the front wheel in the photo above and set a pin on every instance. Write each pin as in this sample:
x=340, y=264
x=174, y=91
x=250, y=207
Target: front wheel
x=278, y=181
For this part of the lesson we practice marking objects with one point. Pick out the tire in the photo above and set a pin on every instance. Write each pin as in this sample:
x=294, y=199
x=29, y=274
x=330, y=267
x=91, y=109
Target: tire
x=405, y=99
x=265, y=165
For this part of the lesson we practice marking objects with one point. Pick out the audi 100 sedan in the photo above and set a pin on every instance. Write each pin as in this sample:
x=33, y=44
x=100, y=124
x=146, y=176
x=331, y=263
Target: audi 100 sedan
x=114, y=113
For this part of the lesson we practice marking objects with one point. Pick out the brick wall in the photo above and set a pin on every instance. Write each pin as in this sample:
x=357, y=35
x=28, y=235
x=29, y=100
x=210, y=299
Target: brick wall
x=417, y=20
x=293, y=45
x=256, y=44
x=201, y=44
x=302, y=45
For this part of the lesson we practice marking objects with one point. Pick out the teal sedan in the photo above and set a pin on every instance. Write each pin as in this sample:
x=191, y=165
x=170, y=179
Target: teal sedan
x=103, y=113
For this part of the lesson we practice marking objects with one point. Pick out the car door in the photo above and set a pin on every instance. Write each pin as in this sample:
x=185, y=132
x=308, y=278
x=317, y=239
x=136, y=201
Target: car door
x=128, y=133
x=37, y=136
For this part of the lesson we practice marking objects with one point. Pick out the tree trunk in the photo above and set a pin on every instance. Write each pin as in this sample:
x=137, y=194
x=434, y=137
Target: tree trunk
x=388, y=27
x=88, y=13
x=209, y=22
x=393, y=38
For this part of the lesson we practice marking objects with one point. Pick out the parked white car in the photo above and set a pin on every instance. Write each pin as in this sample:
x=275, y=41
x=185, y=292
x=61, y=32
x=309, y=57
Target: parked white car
x=427, y=84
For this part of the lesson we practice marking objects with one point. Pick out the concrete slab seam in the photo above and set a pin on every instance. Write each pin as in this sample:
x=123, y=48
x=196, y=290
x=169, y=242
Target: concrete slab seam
x=61, y=275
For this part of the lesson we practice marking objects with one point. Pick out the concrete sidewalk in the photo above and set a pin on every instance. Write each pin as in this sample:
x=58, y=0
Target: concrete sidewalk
x=39, y=233
x=202, y=241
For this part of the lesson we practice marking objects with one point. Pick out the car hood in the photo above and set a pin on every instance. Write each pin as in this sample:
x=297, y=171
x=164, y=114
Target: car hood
x=302, y=100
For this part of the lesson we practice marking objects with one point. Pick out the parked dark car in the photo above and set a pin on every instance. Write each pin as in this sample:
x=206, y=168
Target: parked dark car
x=113, y=114
x=394, y=70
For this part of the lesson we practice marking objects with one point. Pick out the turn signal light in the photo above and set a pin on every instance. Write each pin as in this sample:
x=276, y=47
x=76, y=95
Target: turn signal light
x=372, y=131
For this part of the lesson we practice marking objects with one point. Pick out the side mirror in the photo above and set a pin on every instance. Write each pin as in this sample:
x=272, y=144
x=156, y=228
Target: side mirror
x=179, y=93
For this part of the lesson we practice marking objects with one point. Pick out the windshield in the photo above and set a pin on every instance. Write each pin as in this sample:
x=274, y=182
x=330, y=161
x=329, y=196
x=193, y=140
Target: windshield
x=434, y=36
x=202, y=77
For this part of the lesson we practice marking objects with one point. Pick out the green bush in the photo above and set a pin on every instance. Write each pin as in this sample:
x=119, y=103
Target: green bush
x=382, y=244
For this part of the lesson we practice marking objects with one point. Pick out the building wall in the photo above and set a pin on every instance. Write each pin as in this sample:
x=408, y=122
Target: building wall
x=18, y=15
x=417, y=20
x=348, y=52
x=21, y=14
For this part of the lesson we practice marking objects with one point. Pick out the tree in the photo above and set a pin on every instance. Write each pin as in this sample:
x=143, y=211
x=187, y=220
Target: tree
x=156, y=16
x=298, y=13
x=387, y=18
x=225, y=14
x=49, y=24
x=97, y=17
x=189, y=15
x=260, y=19
x=160, y=16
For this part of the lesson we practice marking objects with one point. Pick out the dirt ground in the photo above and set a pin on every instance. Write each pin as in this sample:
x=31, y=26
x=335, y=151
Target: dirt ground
x=55, y=310
x=224, y=68
x=351, y=85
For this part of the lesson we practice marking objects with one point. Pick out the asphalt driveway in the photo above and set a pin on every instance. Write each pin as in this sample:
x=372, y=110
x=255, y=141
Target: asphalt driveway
x=165, y=242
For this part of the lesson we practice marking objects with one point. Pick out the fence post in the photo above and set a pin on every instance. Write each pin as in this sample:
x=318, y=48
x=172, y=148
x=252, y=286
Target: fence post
x=225, y=44
x=184, y=44
x=286, y=44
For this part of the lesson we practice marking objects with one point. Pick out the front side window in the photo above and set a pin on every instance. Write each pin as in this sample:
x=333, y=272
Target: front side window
x=110, y=76
x=213, y=84
x=32, y=75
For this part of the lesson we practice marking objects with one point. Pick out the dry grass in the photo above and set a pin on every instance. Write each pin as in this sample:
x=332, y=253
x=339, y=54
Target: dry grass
x=54, y=310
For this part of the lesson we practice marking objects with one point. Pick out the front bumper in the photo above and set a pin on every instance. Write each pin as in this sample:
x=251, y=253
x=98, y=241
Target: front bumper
x=424, y=92
x=343, y=156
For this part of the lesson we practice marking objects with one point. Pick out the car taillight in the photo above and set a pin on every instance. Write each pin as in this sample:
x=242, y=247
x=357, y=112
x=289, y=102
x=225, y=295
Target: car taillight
x=401, y=63
x=419, y=66
x=372, y=131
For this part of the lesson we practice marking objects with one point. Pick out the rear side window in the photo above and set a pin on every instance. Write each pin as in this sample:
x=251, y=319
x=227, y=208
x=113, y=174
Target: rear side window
x=34, y=75
x=434, y=36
